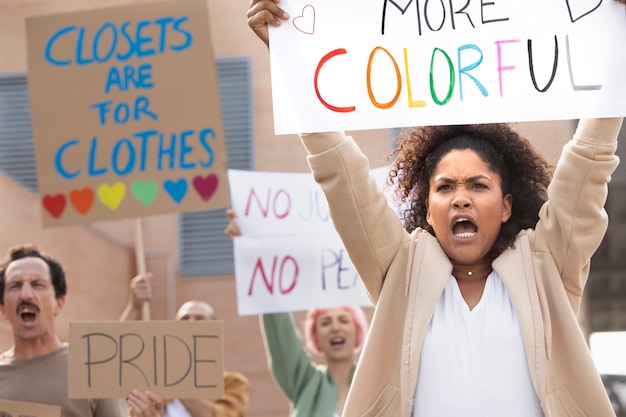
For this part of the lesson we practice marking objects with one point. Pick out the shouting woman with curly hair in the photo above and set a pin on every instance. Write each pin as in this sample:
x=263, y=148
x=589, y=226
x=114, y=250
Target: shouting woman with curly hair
x=477, y=288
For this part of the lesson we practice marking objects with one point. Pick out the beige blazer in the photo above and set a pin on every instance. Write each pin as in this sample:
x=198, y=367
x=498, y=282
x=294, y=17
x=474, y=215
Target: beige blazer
x=405, y=275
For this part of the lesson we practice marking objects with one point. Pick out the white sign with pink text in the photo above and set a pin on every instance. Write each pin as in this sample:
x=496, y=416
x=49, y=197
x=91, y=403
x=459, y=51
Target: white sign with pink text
x=289, y=256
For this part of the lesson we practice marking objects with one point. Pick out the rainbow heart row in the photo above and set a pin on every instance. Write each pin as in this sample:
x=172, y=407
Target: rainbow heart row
x=145, y=191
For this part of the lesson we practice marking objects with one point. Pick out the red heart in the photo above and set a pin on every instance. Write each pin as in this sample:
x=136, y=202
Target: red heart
x=54, y=204
x=205, y=186
x=82, y=199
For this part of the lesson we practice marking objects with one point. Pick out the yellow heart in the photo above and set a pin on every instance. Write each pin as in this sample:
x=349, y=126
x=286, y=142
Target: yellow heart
x=111, y=195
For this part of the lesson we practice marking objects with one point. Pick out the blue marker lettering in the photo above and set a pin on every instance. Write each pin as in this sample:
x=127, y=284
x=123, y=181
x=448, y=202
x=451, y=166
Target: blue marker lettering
x=185, y=149
x=144, y=137
x=207, y=147
x=188, y=37
x=143, y=40
x=114, y=79
x=103, y=109
x=80, y=60
x=144, y=76
x=465, y=70
x=129, y=39
x=50, y=44
x=121, y=113
x=93, y=150
x=129, y=75
x=163, y=151
x=338, y=264
x=96, y=42
x=115, y=157
x=163, y=22
x=58, y=160
x=343, y=267
x=141, y=107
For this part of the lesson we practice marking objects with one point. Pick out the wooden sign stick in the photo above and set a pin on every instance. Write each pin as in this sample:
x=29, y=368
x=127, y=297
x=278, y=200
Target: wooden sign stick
x=141, y=264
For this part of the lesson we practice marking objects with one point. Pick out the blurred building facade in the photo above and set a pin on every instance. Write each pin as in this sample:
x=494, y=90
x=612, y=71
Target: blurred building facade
x=188, y=253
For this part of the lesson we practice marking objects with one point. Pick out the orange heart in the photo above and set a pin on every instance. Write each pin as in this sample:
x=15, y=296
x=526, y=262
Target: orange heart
x=82, y=199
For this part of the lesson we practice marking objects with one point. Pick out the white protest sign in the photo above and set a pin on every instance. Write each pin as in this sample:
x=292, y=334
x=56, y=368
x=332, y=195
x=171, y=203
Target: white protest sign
x=291, y=273
x=278, y=203
x=353, y=65
x=289, y=256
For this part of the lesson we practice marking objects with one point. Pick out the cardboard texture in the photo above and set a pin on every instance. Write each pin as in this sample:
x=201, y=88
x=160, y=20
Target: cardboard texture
x=174, y=359
x=126, y=112
x=22, y=409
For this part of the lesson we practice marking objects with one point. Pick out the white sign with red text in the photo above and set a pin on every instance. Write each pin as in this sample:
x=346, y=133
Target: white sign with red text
x=289, y=256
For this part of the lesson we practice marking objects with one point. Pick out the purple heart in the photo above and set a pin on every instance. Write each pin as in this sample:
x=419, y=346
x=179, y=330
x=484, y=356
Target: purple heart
x=205, y=186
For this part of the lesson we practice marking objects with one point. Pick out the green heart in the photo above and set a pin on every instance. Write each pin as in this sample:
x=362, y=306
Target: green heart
x=145, y=192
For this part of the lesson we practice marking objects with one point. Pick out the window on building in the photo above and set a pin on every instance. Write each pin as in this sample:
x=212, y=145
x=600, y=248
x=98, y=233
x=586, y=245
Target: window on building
x=17, y=151
x=204, y=249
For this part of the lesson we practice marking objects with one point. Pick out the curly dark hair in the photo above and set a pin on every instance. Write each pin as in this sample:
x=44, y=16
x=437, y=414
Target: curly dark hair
x=525, y=173
x=29, y=250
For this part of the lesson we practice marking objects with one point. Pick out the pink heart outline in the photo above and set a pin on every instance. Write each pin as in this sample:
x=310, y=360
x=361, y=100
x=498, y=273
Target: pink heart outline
x=205, y=187
x=305, y=23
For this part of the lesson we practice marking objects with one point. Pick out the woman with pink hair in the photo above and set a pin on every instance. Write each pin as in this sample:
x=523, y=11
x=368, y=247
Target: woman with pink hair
x=314, y=390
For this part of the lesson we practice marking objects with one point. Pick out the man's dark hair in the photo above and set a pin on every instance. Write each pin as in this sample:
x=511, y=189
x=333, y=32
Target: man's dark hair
x=31, y=251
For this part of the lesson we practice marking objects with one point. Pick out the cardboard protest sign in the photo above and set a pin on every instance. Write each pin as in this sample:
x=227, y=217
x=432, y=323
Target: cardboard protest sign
x=289, y=256
x=126, y=112
x=23, y=409
x=171, y=358
x=360, y=65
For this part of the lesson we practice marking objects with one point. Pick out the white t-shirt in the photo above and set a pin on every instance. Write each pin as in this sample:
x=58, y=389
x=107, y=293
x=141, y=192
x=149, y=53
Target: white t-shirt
x=473, y=363
x=176, y=409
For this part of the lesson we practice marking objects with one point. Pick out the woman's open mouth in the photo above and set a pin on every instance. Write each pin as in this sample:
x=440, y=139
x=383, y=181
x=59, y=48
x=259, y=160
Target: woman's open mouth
x=463, y=228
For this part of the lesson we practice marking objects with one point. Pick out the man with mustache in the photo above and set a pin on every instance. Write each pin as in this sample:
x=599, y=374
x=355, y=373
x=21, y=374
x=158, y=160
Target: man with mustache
x=32, y=294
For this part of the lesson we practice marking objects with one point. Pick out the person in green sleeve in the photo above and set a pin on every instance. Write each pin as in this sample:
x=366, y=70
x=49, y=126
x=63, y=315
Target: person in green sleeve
x=313, y=390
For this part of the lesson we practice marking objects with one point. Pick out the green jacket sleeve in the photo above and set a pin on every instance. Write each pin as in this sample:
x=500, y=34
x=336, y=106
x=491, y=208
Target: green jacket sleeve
x=289, y=362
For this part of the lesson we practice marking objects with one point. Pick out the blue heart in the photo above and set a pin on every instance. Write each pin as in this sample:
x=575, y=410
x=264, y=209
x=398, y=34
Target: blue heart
x=176, y=189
